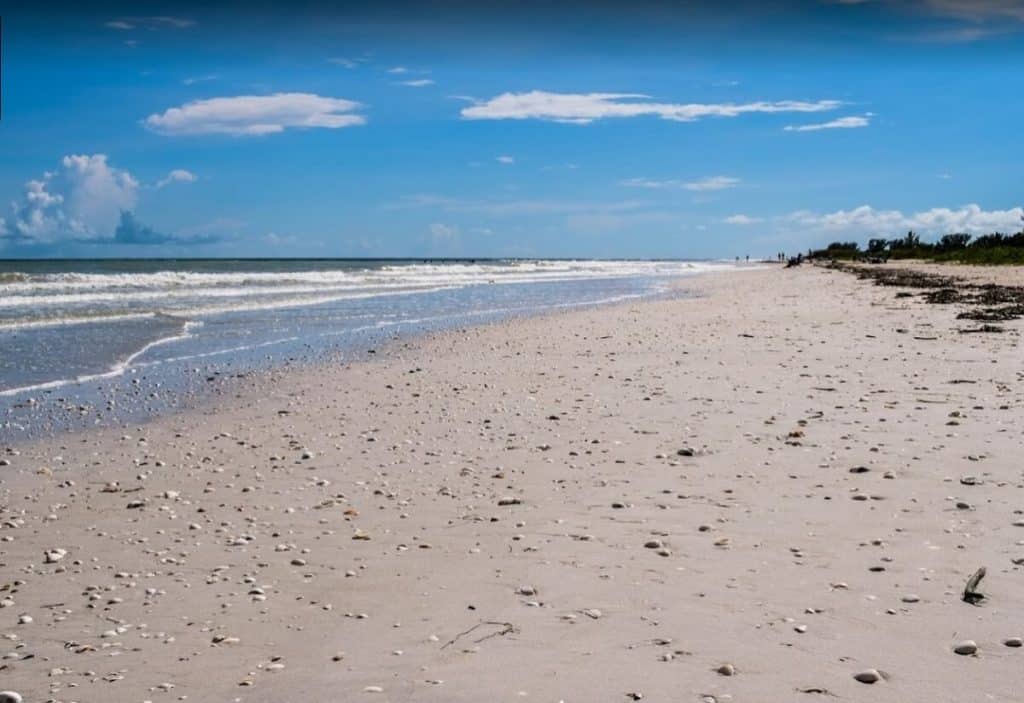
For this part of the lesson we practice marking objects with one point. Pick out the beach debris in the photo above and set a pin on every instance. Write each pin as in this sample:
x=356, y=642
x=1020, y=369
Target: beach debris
x=505, y=628
x=868, y=676
x=971, y=594
x=52, y=556
x=966, y=648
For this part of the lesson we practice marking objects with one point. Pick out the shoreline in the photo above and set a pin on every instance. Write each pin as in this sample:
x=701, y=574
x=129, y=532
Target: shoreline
x=467, y=516
x=189, y=396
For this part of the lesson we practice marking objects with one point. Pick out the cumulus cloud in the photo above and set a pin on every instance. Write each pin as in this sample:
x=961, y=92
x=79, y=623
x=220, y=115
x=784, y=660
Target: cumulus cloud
x=81, y=199
x=867, y=220
x=711, y=183
x=178, y=175
x=742, y=220
x=131, y=231
x=254, y=115
x=583, y=108
x=85, y=200
x=841, y=123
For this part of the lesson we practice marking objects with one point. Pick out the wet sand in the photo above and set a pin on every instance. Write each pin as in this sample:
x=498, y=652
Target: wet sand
x=751, y=495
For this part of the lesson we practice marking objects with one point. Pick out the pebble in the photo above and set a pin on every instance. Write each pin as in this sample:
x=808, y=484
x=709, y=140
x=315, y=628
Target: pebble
x=868, y=676
x=54, y=555
x=502, y=502
x=965, y=648
x=911, y=598
x=10, y=697
x=1013, y=642
x=726, y=670
x=373, y=689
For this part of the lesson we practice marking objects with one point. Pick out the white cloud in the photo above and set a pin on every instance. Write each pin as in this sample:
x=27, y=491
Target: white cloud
x=192, y=80
x=83, y=199
x=977, y=10
x=841, y=123
x=398, y=70
x=346, y=62
x=936, y=221
x=280, y=240
x=742, y=220
x=968, y=10
x=178, y=175
x=417, y=83
x=441, y=232
x=503, y=208
x=155, y=22
x=711, y=183
x=506, y=159
x=583, y=108
x=253, y=115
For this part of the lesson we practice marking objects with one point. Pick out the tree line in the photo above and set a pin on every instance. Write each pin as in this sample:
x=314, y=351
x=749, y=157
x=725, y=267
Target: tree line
x=995, y=248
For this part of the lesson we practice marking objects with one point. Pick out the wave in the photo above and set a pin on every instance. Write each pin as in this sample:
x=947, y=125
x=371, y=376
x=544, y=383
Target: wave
x=206, y=310
x=29, y=284
x=117, y=369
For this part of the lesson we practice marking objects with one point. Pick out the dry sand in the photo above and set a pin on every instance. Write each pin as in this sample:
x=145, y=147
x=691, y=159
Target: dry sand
x=751, y=495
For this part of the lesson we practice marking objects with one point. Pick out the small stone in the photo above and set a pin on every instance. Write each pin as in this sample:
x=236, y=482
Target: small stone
x=911, y=598
x=10, y=697
x=593, y=613
x=726, y=670
x=1013, y=642
x=508, y=500
x=868, y=676
x=373, y=689
x=966, y=648
x=54, y=555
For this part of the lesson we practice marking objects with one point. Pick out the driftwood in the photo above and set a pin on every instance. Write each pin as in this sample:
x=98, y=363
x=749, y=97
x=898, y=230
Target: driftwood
x=971, y=593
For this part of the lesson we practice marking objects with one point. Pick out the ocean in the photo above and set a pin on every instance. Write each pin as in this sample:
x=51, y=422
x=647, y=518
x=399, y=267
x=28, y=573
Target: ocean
x=76, y=331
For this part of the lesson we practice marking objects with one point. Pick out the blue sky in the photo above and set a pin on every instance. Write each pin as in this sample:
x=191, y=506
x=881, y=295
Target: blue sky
x=612, y=130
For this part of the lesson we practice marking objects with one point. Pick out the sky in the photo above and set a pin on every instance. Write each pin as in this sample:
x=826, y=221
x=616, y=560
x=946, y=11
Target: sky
x=531, y=129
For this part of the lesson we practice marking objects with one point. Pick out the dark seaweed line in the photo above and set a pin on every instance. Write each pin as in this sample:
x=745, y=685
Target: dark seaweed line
x=989, y=302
